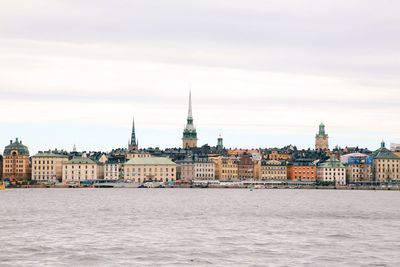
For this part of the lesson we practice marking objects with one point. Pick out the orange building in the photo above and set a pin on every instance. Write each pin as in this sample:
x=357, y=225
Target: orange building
x=16, y=165
x=237, y=152
x=276, y=155
x=302, y=170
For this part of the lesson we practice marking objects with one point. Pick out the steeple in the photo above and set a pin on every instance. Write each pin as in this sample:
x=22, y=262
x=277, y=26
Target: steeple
x=190, y=115
x=133, y=135
x=321, y=129
x=133, y=145
x=189, y=139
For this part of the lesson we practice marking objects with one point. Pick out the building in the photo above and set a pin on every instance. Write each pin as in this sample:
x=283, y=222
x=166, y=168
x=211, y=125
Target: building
x=386, y=166
x=113, y=168
x=322, y=139
x=245, y=167
x=81, y=169
x=189, y=139
x=137, y=154
x=302, y=170
x=16, y=165
x=276, y=154
x=185, y=169
x=47, y=167
x=273, y=170
x=156, y=169
x=204, y=169
x=358, y=167
x=228, y=169
x=332, y=171
x=133, y=144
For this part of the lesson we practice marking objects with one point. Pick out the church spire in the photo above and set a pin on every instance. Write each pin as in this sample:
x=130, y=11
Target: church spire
x=190, y=115
x=133, y=145
x=133, y=135
x=189, y=133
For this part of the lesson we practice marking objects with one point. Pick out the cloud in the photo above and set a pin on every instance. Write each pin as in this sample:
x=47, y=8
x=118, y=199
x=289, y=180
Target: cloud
x=265, y=67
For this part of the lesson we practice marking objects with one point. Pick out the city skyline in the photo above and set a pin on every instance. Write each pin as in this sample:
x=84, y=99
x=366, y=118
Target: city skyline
x=70, y=76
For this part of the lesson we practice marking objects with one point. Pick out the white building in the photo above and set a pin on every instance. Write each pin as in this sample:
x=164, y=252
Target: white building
x=332, y=171
x=81, y=169
x=47, y=167
x=204, y=169
x=113, y=168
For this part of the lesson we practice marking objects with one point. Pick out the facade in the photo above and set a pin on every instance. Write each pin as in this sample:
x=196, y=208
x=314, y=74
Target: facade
x=185, y=169
x=156, y=169
x=273, y=170
x=386, y=167
x=189, y=139
x=332, y=171
x=81, y=169
x=322, y=139
x=245, y=167
x=113, y=168
x=204, y=169
x=358, y=167
x=302, y=170
x=47, y=166
x=276, y=154
x=228, y=169
x=16, y=165
x=137, y=154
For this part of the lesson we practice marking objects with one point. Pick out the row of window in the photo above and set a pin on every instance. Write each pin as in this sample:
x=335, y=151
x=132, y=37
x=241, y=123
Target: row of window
x=44, y=168
x=43, y=162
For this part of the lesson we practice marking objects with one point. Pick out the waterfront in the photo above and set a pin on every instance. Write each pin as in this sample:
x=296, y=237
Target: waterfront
x=173, y=227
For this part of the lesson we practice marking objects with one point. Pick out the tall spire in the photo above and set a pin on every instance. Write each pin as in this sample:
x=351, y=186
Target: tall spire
x=189, y=133
x=133, y=136
x=190, y=115
x=133, y=144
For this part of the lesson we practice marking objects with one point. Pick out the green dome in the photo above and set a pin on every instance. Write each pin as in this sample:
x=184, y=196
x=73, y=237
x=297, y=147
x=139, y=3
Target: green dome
x=16, y=146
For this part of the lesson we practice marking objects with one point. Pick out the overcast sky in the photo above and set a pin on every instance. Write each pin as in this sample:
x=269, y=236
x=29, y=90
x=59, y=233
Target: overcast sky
x=263, y=73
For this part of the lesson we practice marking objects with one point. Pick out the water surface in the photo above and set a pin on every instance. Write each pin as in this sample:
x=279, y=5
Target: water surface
x=199, y=227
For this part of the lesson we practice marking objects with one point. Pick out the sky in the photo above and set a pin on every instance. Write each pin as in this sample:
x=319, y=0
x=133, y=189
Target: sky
x=262, y=73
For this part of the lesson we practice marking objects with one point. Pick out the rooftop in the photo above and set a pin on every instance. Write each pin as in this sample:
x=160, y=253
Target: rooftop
x=150, y=161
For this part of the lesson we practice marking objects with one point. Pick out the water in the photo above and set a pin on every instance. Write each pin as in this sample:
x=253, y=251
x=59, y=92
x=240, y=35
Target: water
x=184, y=227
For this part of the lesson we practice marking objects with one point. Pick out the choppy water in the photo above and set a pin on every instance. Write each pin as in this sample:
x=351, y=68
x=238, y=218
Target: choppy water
x=178, y=227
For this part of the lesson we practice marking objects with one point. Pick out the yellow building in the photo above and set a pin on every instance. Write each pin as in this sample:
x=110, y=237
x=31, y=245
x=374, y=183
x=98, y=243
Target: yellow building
x=229, y=169
x=273, y=170
x=156, y=169
x=47, y=167
x=16, y=165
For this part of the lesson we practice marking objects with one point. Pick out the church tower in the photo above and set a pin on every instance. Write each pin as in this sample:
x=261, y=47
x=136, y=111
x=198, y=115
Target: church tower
x=322, y=139
x=220, y=144
x=189, y=139
x=133, y=143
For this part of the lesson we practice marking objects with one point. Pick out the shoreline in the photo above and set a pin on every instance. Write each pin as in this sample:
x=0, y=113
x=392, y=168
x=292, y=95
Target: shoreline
x=343, y=188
